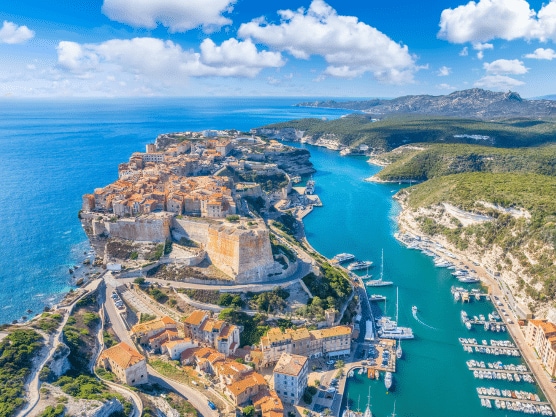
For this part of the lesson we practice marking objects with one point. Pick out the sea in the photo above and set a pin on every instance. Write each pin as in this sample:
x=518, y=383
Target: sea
x=53, y=152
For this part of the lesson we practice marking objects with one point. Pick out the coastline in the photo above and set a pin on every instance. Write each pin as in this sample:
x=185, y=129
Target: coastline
x=494, y=289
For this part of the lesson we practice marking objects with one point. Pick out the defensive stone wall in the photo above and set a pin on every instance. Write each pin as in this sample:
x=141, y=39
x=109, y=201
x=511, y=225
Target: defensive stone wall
x=141, y=229
x=239, y=251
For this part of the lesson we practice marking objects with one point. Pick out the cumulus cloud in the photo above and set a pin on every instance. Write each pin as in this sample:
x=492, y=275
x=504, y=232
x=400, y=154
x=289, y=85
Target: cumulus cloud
x=505, y=66
x=498, y=82
x=464, y=51
x=542, y=53
x=177, y=15
x=158, y=59
x=444, y=71
x=350, y=47
x=12, y=33
x=498, y=19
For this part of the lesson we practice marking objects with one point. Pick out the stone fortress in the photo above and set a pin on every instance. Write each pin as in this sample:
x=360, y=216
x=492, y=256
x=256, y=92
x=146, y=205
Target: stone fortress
x=177, y=193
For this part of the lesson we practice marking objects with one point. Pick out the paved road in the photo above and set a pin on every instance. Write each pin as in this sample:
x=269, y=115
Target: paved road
x=198, y=400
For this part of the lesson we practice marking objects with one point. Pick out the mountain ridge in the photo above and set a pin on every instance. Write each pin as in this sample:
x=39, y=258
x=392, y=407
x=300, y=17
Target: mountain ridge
x=474, y=102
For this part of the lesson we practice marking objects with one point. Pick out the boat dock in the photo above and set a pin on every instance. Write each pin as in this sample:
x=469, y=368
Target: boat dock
x=513, y=400
x=502, y=371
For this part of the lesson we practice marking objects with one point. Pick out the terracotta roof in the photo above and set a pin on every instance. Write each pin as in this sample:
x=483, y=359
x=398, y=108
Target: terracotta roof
x=226, y=331
x=188, y=353
x=196, y=317
x=170, y=344
x=268, y=402
x=233, y=368
x=548, y=327
x=152, y=325
x=165, y=333
x=123, y=355
x=331, y=332
x=251, y=380
x=274, y=335
x=290, y=364
x=298, y=334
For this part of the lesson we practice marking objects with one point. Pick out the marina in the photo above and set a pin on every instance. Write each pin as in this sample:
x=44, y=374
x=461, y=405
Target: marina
x=424, y=282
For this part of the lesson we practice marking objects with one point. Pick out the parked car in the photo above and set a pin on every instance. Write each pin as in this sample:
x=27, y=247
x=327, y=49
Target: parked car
x=211, y=405
x=330, y=362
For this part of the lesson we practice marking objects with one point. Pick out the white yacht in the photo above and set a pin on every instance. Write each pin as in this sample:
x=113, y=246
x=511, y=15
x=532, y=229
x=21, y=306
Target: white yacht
x=389, y=329
x=388, y=380
x=368, y=412
x=399, y=351
x=343, y=257
x=355, y=266
x=377, y=297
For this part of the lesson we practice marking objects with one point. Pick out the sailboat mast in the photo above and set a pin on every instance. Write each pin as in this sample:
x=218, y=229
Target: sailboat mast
x=382, y=265
x=397, y=288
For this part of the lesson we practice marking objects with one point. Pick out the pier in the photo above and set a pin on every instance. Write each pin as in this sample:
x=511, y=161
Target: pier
x=514, y=400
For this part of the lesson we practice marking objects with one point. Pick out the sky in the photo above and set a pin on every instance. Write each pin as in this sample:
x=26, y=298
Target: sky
x=297, y=48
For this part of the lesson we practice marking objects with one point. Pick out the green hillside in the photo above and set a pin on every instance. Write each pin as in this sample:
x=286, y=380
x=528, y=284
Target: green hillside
x=394, y=131
x=514, y=235
x=435, y=160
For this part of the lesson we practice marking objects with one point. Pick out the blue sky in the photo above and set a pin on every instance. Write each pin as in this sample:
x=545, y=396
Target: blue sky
x=333, y=48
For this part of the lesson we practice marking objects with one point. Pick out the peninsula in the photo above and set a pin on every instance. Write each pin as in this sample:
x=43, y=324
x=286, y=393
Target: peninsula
x=210, y=299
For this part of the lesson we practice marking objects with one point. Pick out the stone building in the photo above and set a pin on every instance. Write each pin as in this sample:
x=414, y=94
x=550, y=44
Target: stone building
x=332, y=342
x=290, y=377
x=129, y=366
x=223, y=336
x=144, y=331
x=541, y=335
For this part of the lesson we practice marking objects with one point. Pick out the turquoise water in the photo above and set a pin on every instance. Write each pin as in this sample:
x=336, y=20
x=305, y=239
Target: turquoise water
x=53, y=152
x=432, y=378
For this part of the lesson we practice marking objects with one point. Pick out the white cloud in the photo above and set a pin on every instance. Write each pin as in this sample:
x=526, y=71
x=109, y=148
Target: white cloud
x=498, y=19
x=542, y=53
x=12, y=33
x=444, y=71
x=177, y=15
x=161, y=60
x=477, y=46
x=498, y=82
x=445, y=86
x=505, y=66
x=464, y=51
x=350, y=47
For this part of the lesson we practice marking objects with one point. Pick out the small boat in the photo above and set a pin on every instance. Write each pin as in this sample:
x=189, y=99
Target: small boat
x=377, y=297
x=377, y=374
x=457, y=295
x=468, y=325
x=414, y=310
x=388, y=380
x=350, y=374
x=399, y=351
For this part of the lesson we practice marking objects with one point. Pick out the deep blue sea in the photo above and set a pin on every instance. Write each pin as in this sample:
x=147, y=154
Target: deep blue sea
x=52, y=152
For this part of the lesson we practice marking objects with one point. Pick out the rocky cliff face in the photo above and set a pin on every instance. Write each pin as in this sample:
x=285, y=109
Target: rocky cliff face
x=474, y=102
x=293, y=161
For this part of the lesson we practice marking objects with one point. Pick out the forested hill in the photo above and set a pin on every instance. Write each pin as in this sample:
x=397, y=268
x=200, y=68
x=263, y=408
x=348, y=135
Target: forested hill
x=394, y=131
x=423, y=162
x=476, y=102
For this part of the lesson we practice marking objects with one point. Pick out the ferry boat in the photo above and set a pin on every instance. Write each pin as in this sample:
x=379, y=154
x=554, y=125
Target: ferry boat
x=388, y=380
x=354, y=266
x=343, y=257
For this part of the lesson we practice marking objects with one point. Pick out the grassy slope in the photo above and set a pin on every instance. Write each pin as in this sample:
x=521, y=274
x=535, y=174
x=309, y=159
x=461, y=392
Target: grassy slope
x=395, y=131
x=442, y=159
